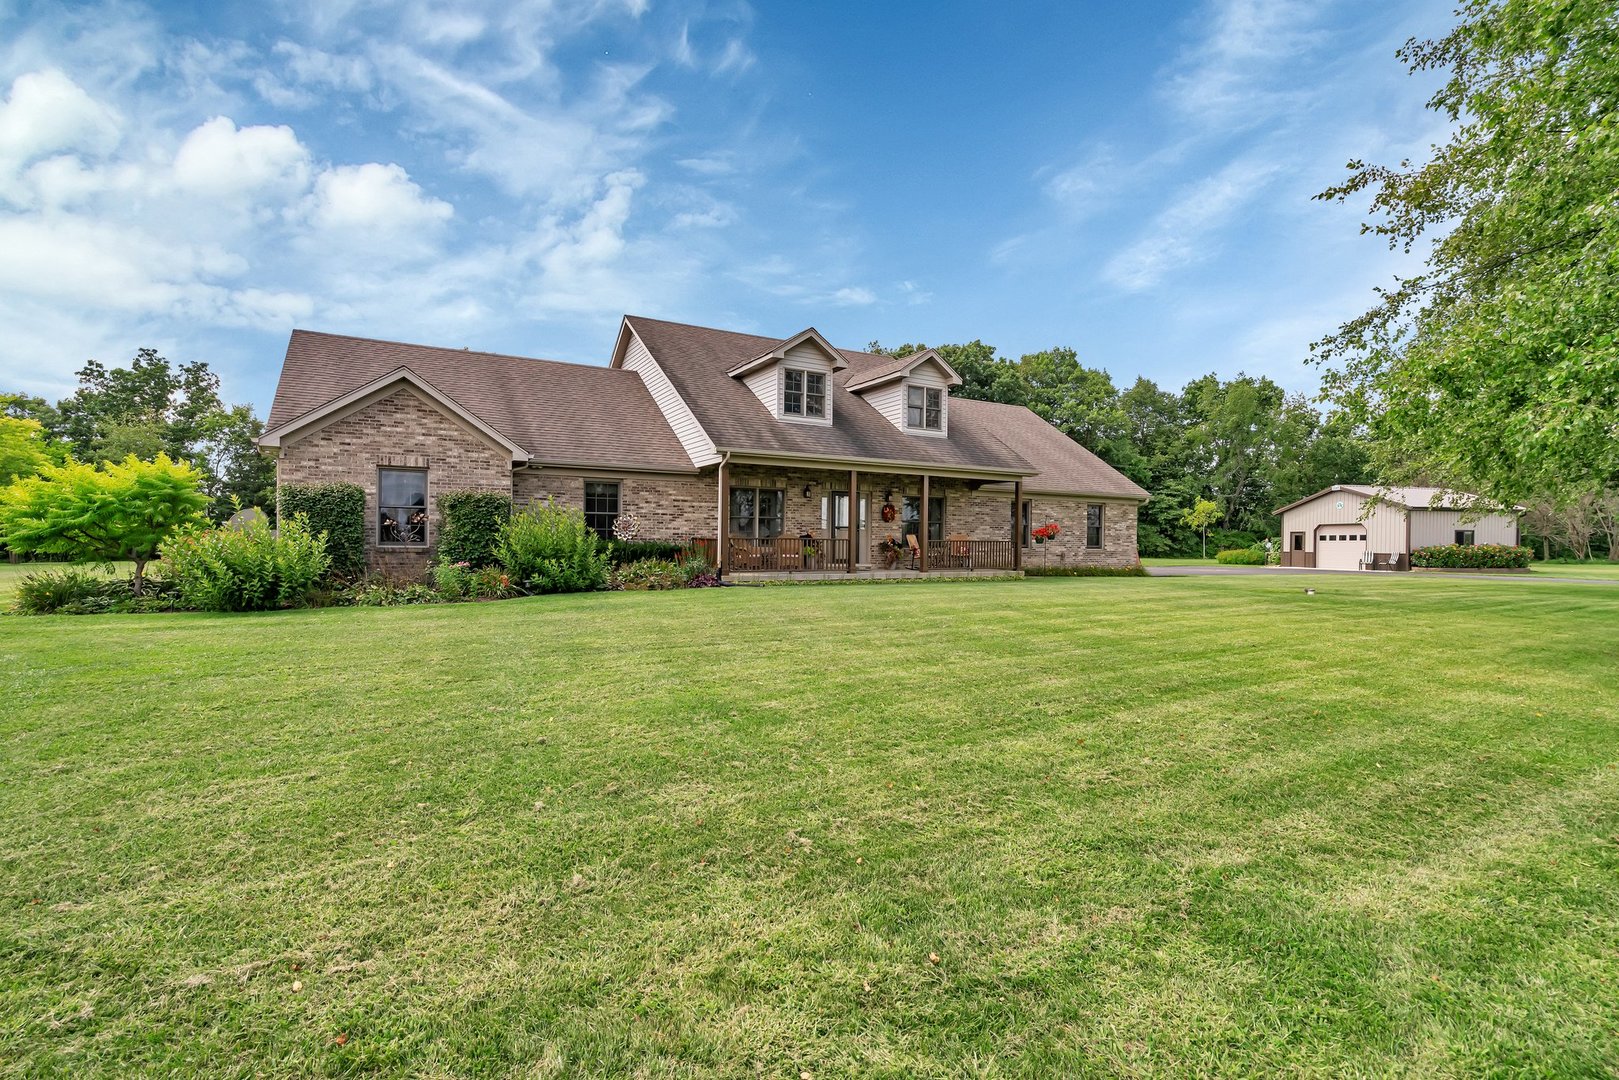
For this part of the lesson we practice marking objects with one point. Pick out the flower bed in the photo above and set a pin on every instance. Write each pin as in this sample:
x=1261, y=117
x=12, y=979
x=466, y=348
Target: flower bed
x=1471, y=557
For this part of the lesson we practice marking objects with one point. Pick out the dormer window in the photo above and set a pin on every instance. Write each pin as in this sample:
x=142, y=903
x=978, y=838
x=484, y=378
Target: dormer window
x=924, y=408
x=803, y=393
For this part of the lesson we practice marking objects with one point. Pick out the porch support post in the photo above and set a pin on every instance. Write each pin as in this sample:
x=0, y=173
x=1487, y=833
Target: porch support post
x=922, y=541
x=1017, y=524
x=854, y=516
x=722, y=547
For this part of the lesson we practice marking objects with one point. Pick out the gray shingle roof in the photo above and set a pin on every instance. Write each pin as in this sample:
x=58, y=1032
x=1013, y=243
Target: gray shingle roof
x=581, y=414
x=983, y=434
x=697, y=360
x=560, y=413
x=1063, y=466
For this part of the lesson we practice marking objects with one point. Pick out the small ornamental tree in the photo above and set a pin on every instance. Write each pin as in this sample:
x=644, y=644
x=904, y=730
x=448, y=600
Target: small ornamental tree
x=122, y=510
x=1203, y=513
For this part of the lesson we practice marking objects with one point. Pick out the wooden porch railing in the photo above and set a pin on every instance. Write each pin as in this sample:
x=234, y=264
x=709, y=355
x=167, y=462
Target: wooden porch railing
x=788, y=554
x=959, y=554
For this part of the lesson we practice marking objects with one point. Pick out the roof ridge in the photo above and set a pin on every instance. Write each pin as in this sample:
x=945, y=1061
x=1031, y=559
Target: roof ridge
x=463, y=351
x=744, y=334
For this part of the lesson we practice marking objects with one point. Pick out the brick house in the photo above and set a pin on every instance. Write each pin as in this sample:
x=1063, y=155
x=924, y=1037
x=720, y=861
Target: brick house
x=783, y=456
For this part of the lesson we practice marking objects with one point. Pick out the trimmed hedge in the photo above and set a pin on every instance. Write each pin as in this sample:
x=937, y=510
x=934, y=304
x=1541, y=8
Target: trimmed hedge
x=1241, y=557
x=472, y=523
x=1472, y=557
x=624, y=552
x=338, y=510
x=1085, y=571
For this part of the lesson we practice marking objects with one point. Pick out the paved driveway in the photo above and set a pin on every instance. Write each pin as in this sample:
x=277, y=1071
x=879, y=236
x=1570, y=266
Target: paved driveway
x=1275, y=571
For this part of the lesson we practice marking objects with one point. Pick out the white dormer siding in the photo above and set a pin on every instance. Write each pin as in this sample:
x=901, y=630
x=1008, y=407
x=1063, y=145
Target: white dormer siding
x=693, y=439
x=769, y=383
x=890, y=400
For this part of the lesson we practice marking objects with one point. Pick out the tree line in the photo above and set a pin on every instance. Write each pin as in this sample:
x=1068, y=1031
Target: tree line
x=1243, y=443
x=148, y=408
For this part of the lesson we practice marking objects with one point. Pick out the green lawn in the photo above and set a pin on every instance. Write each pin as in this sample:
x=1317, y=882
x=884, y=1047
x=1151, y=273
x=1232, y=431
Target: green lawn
x=1210, y=561
x=1598, y=569
x=1024, y=828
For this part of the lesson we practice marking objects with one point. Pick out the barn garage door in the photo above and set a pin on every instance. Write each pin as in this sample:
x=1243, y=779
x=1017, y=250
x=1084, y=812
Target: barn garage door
x=1339, y=547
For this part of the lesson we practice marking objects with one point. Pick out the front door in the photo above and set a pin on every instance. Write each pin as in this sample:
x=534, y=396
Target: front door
x=835, y=519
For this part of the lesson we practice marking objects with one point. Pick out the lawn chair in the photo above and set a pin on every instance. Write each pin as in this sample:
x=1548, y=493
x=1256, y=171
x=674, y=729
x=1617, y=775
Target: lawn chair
x=915, y=550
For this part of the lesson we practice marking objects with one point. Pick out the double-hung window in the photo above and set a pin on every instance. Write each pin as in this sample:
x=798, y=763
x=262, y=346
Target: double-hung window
x=1093, y=525
x=1028, y=524
x=911, y=516
x=924, y=408
x=757, y=513
x=402, y=506
x=601, y=507
x=803, y=393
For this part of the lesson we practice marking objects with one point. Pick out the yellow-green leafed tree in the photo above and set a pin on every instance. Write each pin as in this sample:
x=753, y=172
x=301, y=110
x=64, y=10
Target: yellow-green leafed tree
x=122, y=510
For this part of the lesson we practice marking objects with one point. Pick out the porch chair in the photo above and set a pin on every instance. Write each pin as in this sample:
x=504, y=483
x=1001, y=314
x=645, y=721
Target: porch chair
x=961, y=550
x=915, y=550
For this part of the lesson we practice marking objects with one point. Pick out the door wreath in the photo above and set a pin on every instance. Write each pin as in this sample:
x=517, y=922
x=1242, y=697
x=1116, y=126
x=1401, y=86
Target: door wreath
x=889, y=513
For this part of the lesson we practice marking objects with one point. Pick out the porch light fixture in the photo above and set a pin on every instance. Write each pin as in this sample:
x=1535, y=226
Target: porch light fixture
x=806, y=491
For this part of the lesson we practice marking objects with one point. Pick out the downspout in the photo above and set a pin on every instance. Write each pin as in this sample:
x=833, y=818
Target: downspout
x=721, y=477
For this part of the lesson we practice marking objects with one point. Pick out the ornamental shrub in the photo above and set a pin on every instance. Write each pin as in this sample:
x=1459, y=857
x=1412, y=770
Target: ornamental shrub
x=471, y=526
x=1085, y=571
x=648, y=574
x=1472, y=557
x=248, y=567
x=338, y=510
x=459, y=581
x=46, y=592
x=1241, y=557
x=547, y=548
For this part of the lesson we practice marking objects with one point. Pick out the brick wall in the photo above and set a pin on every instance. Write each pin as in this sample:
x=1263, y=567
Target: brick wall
x=1118, y=528
x=665, y=507
x=402, y=430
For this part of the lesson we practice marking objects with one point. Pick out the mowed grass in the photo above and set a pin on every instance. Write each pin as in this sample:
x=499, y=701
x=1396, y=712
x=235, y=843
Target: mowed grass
x=1033, y=828
x=1601, y=568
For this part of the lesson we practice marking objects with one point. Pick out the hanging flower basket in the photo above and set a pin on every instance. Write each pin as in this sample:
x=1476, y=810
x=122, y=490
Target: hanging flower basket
x=1048, y=531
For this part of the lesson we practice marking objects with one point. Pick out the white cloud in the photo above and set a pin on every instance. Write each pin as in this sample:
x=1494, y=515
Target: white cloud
x=1237, y=71
x=220, y=160
x=1182, y=233
x=48, y=113
x=853, y=296
x=376, y=203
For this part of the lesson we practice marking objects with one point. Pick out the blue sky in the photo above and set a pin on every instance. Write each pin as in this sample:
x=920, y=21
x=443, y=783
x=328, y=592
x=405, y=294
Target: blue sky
x=1132, y=180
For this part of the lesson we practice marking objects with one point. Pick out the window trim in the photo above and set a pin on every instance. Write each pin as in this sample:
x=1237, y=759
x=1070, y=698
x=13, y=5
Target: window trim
x=1027, y=539
x=730, y=515
x=426, y=508
x=1101, y=518
x=618, y=503
x=804, y=395
x=1472, y=537
x=935, y=521
x=924, y=408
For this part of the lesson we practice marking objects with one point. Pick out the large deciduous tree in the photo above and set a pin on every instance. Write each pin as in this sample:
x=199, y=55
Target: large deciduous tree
x=122, y=510
x=1496, y=369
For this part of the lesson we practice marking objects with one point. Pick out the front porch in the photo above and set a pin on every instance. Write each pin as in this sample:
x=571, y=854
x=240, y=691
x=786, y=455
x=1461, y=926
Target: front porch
x=802, y=523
